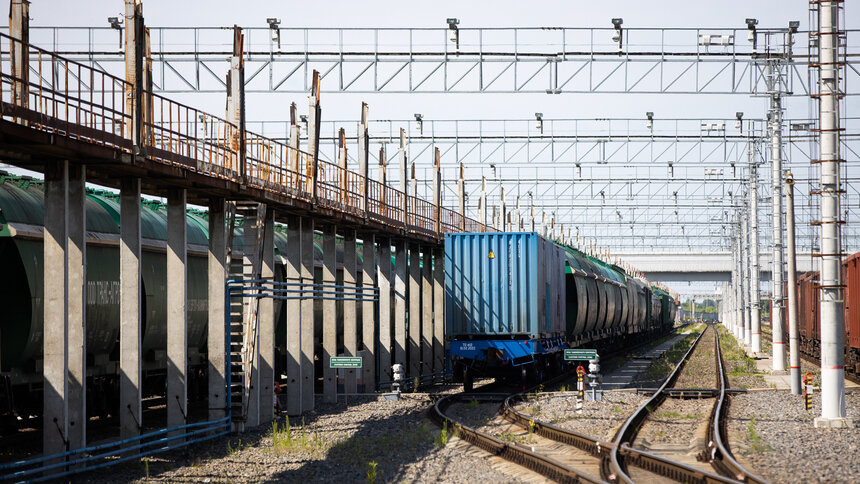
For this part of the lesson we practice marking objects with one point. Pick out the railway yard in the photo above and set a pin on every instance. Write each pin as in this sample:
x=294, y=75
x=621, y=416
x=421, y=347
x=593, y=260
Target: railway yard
x=455, y=242
x=768, y=433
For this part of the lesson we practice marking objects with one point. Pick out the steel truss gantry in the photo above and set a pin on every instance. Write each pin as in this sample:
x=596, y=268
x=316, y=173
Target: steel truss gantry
x=548, y=60
x=668, y=179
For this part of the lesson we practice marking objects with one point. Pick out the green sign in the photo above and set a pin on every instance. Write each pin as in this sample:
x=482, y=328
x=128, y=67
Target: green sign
x=345, y=362
x=580, y=354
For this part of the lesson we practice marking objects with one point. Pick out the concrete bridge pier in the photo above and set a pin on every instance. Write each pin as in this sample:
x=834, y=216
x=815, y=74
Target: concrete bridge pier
x=400, y=304
x=350, y=308
x=369, y=268
x=415, y=312
x=306, y=235
x=177, y=315
x=384, y=282
x=130, y=334
x=427, y=309
x=329, y=316
x=217, y=261
x=294, y=320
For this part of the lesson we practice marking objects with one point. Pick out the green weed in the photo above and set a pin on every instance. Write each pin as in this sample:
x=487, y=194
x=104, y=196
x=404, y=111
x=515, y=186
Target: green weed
x=371, y=472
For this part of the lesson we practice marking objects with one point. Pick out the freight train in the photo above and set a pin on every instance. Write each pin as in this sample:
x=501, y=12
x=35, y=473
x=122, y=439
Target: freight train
x=809, y=320
x=515, y=300
x=21, y=288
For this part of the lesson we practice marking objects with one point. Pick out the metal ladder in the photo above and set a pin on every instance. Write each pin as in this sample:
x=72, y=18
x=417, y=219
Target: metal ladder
x=243, y=313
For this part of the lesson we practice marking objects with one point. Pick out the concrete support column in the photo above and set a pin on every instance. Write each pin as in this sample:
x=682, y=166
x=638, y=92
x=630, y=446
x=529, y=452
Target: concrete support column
x=307, y=314
x=177, y=315
x=266, y=333
x=294, y=320
x=831, y=296
x=76, y=256
x=130, y=333
x=384, y=281
x=755, y=279
x=55, y=300
x=791, y=258
x=368, y=312
x=329, y=317
x=217, y=336
x=400, y=303
x=350, y=320
x=438, y=309
x=776, y=317
x=745, y=278
x=414, y=311
x=427, y=310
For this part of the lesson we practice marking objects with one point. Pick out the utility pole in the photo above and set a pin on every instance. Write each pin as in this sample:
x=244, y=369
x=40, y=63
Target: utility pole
x=832, y=371
x=775, y=115
x=791, y=256
x=755, y=295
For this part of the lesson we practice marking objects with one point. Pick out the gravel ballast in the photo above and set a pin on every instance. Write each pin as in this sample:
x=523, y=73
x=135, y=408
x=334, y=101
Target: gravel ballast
x=773, y=435
x=339, y=443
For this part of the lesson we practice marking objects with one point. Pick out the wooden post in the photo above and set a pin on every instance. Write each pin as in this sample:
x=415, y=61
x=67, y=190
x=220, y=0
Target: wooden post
x=437, y=194
x=236, y=101
x=314, y=132
x=363, y=151
x=19, y=28
x=482, y=205
x=382, y=208
x=404, y=186
x=461, y=189
x=134, y=49
x=341, y=162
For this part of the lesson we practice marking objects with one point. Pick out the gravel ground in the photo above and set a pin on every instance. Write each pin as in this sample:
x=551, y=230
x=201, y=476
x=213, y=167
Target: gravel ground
x=598, y=419
x=659, y=369
x=699, y=372
x=773, y=435
x=741, y=369
x=337, y=446
x=676, y=423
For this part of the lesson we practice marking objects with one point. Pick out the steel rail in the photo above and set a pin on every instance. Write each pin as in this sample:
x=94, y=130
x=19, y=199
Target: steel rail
x=513, y=452
x=622, y=454
x=721, y=457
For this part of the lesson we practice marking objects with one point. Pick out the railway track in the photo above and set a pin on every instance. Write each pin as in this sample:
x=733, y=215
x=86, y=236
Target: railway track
x=812, y=359
x=582, y=455
x=623, y=455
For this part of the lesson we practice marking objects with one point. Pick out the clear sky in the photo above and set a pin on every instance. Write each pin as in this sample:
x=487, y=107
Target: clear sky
x=502, y=13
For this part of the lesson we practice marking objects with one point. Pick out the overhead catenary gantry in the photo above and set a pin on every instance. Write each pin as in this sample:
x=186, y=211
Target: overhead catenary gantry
x=552, y=60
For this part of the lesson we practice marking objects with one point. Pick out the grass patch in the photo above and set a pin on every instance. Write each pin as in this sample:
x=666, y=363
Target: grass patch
x=287, y=441
x=411, y=437
x=757, y=444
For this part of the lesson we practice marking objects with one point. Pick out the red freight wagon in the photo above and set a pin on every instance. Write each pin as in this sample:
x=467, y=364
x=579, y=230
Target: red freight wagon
x=808, y=323
x=851, y=279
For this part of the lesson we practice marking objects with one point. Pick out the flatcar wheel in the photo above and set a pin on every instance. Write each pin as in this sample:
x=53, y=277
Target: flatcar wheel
x=468, y=381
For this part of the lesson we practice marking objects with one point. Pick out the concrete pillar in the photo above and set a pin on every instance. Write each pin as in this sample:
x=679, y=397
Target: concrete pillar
x=414, y=311
x=350, y=313
x=55, y=300
x=368, y=312
x=293, y=270
x=384, y=282
x=266, y=324
x=250, y=252
x=438, y=308
x=130, y=334
x=791, y=258
x=329, y=317
x=755, y=278
x=776, y=317
x=363, y=151
x=217, y=336
x=745, y=278
x=400, y=303
x=307, y=314
x=77, y=289
x=19, y=28
x=177, y=315
x=427, y=310
x=831, y=295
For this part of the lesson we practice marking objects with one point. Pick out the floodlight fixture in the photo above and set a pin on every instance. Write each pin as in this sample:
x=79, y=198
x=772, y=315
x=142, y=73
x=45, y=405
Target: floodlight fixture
x=455, y=31
x=115, y=22
x=273, y=22
x=539, y=118
x=793, y=25
x=617, y=22
x=650, y=123
x=618, y=36
x=739, y=116
x=751, y=23
x=420, y=119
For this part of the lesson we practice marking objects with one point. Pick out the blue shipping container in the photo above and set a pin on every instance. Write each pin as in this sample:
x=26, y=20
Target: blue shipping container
x=507, y=284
